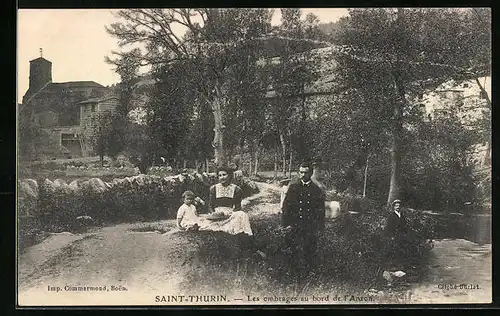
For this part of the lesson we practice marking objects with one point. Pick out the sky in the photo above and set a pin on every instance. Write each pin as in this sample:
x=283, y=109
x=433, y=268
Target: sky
x=76, y=43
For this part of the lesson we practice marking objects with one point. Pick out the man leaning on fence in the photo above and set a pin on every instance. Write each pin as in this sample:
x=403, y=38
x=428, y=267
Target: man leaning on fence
x=303, y=220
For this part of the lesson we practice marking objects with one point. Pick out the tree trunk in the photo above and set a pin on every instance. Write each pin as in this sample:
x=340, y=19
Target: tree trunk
x=184, y=164
x=394, y=187
x=276, y=163
x=283, y=151
x=250, y=165
x=101, y=159
x=395, y=159
x=228, y=152
x=486, y=157
x=366, y=175
x=291, y=154
x=143, y=166
x=206, y=165
x=483, y=90
x=256, y=170
x=218, y=142
x=397, y=130
x=486, y=161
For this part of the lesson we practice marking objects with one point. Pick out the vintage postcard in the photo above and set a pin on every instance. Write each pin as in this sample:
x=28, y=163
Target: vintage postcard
x=234, y=157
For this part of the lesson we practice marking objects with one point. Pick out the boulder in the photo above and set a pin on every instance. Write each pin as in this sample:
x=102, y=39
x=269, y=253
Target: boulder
x=95, y=185
x=398, y=274
x=139, y=180
x=74, y=185
x=28, y=189
x=49, y=186
x=61, y=186
x=59, y=182
x=27, y=199
x=33, y=185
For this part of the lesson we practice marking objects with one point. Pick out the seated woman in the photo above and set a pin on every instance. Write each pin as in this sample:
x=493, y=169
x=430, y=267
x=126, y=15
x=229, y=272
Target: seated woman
x=225, y=207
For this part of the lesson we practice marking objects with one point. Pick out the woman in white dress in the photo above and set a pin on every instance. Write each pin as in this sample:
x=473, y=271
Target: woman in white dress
x=225, y=207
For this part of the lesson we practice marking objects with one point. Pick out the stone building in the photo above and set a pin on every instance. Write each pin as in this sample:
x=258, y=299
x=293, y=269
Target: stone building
x=60, y=110
x=469, y=103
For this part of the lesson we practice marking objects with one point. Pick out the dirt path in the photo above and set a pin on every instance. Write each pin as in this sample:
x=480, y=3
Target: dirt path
x=137, y=266
x=141, y=262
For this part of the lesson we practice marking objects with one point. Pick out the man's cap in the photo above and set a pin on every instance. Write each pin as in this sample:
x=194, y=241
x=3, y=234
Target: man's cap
x=396, y=201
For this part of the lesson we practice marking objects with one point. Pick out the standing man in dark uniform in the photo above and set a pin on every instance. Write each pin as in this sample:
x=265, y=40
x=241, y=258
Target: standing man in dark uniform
x=303, y=220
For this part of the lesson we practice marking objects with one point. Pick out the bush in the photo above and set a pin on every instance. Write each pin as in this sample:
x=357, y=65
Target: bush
x=352, y=248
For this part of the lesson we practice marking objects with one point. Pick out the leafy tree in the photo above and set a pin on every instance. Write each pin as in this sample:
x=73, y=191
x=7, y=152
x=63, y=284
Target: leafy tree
x=411, y=50
x=127, y=67
x=291, y=73
x=205, y=51
x=29, y=133
x=438, y=169
x=170, y=112
x=103, y=132
x=140, y=146
x=311, y=27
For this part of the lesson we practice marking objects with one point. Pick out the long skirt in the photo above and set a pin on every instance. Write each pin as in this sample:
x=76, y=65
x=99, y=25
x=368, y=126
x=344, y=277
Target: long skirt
x=237, y=223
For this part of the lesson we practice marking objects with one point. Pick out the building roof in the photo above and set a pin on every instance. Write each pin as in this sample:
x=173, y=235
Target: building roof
x=77, y=84
x=41, y=59
x=96, y=100
x=58, y=87
x=450, y=90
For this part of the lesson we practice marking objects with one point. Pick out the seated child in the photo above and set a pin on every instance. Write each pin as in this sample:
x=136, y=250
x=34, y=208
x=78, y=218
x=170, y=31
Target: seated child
x=187, y=217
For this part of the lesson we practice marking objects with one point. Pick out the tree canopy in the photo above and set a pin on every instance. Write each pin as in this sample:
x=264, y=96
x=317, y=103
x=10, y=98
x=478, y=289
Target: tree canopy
x=232, y=85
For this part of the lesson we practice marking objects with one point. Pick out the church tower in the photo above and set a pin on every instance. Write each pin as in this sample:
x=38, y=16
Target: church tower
x=40, y=74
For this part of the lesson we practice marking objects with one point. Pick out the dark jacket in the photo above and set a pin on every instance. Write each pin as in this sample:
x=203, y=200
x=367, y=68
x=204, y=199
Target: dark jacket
x=304, y=207
x=397, y=226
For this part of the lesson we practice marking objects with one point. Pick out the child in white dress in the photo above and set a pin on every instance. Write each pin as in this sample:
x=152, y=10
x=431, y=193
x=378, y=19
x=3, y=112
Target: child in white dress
x=187, y=217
